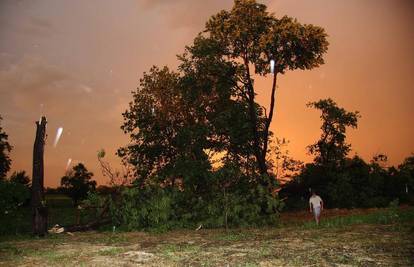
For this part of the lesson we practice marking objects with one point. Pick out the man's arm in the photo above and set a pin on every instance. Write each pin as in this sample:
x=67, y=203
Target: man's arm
x=310, y=206
x=321, y=204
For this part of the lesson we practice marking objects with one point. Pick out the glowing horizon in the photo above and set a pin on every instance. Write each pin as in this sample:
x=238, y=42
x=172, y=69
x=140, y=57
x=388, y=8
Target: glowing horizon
x=78, y=67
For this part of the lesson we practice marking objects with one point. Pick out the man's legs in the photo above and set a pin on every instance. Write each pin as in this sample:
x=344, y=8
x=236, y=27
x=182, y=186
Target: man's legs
x=317, y=213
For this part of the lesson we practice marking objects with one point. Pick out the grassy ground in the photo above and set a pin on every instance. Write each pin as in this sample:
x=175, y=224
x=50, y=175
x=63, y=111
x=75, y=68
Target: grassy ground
x=345, y=238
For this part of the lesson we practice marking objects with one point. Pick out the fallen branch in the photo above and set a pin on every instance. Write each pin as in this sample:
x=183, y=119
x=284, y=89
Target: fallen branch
x=89, y=226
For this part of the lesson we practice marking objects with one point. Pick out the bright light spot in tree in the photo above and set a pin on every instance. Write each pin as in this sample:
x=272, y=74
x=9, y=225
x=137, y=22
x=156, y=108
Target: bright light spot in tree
x=272, y=66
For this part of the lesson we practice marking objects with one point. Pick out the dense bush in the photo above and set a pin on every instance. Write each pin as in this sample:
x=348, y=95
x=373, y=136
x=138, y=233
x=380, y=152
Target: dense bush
x=163, y=208
x=13, y=197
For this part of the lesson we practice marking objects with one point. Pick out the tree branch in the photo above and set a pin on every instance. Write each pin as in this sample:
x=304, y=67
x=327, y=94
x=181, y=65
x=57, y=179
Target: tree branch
x=270, y=117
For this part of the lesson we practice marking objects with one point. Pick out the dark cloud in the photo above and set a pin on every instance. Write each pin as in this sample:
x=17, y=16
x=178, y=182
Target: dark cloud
x=29, y=23
x=33, y=81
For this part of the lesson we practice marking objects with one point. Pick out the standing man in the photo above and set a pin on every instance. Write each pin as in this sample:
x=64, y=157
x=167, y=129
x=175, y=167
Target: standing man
x=316, y=205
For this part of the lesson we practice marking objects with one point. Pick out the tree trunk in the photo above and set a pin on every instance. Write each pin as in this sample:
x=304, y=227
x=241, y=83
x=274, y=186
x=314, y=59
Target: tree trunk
x=269, y=118
x=260, y=157
x=38, y=204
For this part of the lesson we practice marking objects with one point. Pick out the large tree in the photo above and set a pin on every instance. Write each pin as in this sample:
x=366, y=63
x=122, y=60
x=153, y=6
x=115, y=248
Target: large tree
x=77, y=183
x=200, y=127
x=252, y=39
x=213, y=94
x=5, y=149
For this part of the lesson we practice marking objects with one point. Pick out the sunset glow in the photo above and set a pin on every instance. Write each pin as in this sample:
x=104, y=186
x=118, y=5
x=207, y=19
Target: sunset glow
x=78, y=67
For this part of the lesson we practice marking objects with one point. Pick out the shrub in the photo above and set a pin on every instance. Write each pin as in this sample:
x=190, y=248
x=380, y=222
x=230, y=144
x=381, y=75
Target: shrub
x=13, y=196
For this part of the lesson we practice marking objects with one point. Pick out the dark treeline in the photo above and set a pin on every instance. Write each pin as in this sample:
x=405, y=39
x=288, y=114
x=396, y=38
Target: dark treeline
x=355, y=183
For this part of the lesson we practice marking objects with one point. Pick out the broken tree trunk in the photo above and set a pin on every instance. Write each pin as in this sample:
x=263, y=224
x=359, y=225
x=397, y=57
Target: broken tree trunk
x=38, y=203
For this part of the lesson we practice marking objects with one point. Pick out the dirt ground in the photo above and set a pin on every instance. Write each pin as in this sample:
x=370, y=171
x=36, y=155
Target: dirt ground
x=354, y=245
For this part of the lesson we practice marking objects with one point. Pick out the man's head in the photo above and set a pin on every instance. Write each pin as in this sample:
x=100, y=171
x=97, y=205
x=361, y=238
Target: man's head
x=313, y=192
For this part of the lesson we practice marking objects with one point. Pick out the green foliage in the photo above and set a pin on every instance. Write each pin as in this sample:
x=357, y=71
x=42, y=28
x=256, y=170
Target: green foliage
x=249, y=32
x=96, y=204
x=145, y=208
x=183, y=124
x=250, y=36
x=133, y=208
x=155, y=208
x=5, y=149
x=77, y=183
x=13, y=196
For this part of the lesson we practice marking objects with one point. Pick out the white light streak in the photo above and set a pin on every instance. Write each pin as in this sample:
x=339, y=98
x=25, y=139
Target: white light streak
x=68, y=164
x=58, y=135
x=272, y=66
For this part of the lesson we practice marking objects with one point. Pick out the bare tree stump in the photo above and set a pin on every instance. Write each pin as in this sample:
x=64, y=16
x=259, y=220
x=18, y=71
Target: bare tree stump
x=38, y=203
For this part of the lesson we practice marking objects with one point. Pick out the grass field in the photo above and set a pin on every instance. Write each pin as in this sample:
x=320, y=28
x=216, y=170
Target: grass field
x=375, y=237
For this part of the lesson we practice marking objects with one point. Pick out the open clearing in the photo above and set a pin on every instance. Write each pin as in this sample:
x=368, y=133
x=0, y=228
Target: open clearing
x=358, y=244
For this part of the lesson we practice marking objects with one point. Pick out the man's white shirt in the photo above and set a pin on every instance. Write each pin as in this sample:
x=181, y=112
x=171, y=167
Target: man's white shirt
x=315, y=201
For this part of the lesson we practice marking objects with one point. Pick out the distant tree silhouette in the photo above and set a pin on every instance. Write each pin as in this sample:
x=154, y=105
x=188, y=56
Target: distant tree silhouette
x=331, y=149
x=347, y=182
x=332, y=173
x=20, y=178
x=5, y=149
x=77, y=183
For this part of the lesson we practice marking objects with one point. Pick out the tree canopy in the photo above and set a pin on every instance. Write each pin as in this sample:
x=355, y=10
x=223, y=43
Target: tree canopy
x=208, y=106
x=250, y=37
x=77, y=183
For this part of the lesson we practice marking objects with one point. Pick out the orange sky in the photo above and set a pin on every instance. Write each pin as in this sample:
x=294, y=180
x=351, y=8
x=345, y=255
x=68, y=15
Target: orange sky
x=77, y=61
